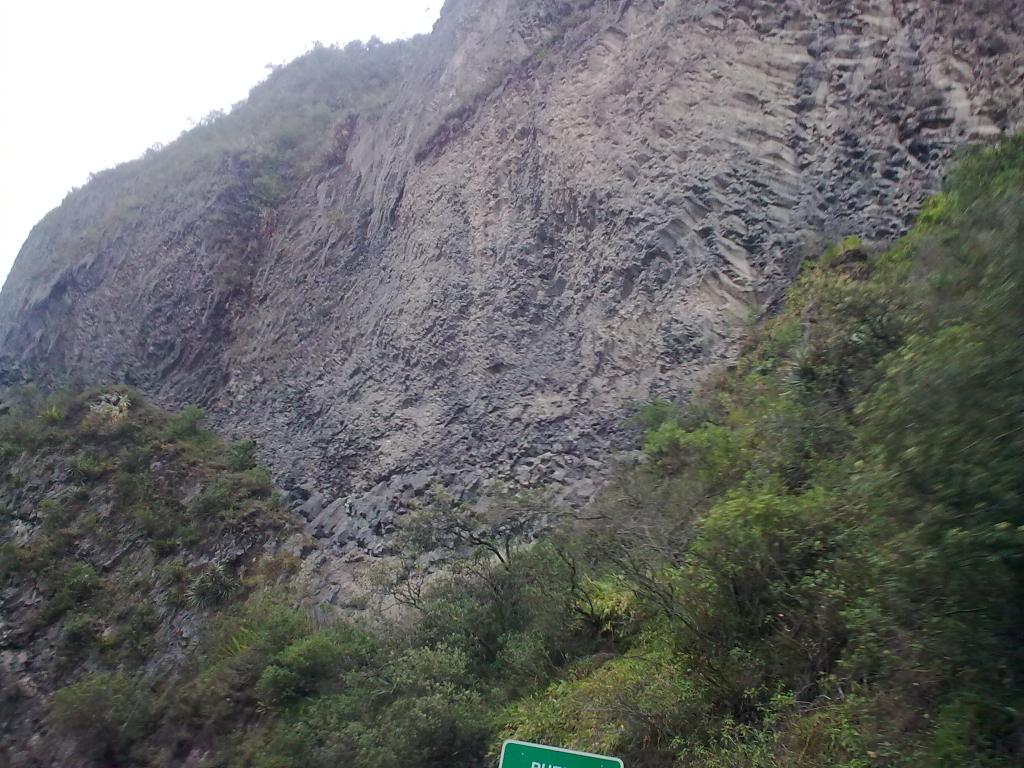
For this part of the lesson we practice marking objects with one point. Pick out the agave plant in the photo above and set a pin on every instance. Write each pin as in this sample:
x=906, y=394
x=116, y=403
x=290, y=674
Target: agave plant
x=211, y=587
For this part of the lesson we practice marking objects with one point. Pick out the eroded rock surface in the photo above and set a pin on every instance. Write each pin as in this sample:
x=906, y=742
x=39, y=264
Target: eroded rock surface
x=564, y=207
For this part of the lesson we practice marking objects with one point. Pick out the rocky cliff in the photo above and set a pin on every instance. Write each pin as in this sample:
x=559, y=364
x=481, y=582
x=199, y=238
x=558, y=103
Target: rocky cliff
x=460, y=257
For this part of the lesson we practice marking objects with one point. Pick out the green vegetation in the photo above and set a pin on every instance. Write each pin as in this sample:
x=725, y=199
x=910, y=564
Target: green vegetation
x=822, y=562
x=104, y=540
x=296, y=122
x=108, y=712
x=213, y=586
x=249, y=160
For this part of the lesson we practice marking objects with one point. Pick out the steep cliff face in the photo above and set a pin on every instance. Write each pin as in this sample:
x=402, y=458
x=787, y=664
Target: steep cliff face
x=473, y=249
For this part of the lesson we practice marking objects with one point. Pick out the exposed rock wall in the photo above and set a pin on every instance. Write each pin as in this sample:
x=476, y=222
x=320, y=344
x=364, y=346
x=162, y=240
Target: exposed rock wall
x=564, y=207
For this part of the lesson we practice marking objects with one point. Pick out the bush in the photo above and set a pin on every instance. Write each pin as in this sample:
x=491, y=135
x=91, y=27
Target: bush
x=81, y=633
x=241, y=455
x=234, y=496
x=12, y=560
x=155, y=524
x=52, y=415
x=107, y=715
x=316, y=664
x=75, y=587
x=615, y=707
x=56, y=515
x=185, y=425
x=213, y=586
x=88, y=468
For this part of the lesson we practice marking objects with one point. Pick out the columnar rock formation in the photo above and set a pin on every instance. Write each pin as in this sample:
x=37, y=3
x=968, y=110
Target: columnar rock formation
x=551, y=209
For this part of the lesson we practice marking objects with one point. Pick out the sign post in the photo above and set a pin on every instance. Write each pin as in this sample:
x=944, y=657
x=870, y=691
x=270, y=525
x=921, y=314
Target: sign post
x=522, y=754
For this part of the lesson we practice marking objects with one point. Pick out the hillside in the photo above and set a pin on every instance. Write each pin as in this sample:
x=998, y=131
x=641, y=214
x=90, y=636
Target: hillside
x=123, y=529
x=821, y=561
x=637, y=376
x=458, y=258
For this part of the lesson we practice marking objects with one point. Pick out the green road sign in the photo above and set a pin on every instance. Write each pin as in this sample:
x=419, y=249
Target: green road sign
x=521, y=754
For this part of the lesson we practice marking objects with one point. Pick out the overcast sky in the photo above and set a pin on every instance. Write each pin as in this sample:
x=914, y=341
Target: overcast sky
x=86, y=84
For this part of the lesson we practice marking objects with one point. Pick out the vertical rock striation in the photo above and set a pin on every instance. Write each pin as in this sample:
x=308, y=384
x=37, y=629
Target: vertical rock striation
x=553, y=209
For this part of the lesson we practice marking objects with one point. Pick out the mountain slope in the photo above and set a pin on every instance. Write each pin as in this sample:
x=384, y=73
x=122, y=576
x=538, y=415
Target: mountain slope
x=459, y=257
x=123, y=530
x=820, y=564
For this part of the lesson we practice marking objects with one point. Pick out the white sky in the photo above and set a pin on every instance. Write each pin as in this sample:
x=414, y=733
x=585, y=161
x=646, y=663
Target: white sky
x=86, y=84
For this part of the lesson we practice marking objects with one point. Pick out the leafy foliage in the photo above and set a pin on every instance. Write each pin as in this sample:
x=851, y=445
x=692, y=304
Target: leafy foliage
x=822, y=562
x=107, y=714
x=109, y=556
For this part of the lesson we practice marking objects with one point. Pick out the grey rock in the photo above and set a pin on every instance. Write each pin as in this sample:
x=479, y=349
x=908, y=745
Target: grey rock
x=312, y=507
x=565, y=208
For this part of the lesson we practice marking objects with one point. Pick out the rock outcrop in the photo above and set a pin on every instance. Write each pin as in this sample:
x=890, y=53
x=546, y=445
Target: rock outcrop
x=555, y=208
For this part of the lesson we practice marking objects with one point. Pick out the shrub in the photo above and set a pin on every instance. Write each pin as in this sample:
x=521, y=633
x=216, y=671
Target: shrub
x=86, y=468
x=56, y=514
x=76, y=585
x=313, y=664
x=106, y=714
x=133, y=636
x=232, y=496
x=81, y=633
x=52, y=415
x=12, y=560
x=154, y=524
x=213, y=586
x=641, y=699
x=241, y=455
x=185, y=425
